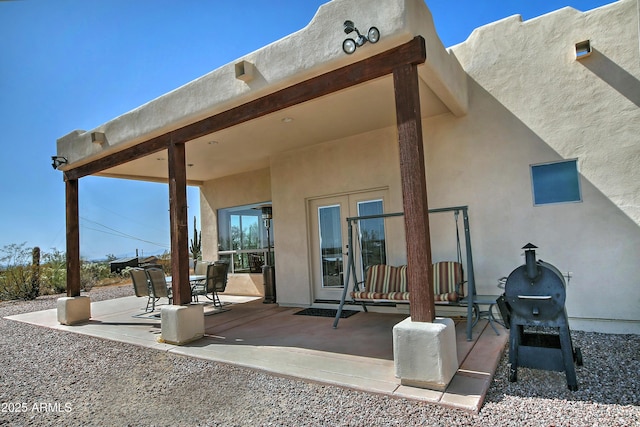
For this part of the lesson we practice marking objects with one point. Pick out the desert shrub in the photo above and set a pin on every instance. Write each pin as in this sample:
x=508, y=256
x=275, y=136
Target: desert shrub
x=53, y=272
x=165, y=262
x=15, y=278
x=92, y=273
x=19, y=279
x=15, y=283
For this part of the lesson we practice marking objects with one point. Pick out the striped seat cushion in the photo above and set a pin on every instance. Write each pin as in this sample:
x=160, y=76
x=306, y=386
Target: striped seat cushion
x=447, y=281
x=393, y=296
x=384, y=282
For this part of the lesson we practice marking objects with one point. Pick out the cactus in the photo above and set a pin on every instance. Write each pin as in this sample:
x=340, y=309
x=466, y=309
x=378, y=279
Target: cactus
x=196, y=244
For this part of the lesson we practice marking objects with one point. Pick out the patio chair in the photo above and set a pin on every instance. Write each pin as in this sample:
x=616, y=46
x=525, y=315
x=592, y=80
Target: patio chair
x=255, y=263
x=201, y=267
x=141, y=285
x=216, y=282
x=158, y=285
x=200, y=270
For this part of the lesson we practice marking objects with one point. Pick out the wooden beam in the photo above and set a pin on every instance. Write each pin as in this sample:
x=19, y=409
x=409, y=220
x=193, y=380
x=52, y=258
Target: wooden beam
x=382, y=64
x=137, y=151
x=178, y=219
x=414, y=193
x=73, y=238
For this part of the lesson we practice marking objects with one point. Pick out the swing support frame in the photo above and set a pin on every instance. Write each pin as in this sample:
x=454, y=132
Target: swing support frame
x=467, y=301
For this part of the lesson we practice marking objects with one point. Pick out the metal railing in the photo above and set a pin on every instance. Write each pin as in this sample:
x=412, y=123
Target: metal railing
x=233, y=266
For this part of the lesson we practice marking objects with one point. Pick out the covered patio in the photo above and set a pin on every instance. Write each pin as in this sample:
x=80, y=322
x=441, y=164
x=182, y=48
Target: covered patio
x=176, y=139
x=357, y=355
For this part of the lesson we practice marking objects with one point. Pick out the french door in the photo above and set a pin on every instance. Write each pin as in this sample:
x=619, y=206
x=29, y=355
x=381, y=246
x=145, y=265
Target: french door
x=329, y=239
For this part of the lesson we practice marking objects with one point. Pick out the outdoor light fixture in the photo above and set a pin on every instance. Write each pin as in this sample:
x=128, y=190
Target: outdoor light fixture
x=350, y=45
x=57, y=161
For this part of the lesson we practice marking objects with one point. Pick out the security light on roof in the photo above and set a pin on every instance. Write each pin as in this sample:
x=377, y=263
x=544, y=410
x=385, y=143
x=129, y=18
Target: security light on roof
x=57, y=161
x=350, y=45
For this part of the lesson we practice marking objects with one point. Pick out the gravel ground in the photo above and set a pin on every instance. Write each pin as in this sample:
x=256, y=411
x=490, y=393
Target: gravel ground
x=56, y=378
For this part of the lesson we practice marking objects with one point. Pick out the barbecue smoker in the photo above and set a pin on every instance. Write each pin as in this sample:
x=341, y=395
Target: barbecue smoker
x=534, y=299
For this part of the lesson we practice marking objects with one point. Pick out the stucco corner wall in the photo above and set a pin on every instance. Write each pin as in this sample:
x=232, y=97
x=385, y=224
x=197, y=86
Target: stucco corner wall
x=441, y=71
x=532, y=102
x=582, y=108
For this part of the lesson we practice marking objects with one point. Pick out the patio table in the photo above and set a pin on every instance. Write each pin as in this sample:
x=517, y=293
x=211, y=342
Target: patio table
x=193, y=278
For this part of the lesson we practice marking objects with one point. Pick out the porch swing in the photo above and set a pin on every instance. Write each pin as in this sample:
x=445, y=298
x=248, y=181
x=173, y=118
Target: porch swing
x=388, y=284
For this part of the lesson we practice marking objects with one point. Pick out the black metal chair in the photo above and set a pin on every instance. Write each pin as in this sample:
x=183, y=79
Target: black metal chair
x=216, y=282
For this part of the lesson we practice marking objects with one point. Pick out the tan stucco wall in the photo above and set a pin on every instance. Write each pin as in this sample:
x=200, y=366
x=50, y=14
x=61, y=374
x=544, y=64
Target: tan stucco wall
x=363, y=162
x=532, y=102
x=587, y=108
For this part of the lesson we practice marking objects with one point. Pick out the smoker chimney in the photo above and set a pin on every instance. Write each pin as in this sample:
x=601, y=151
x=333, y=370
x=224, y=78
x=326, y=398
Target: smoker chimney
x=530, y=261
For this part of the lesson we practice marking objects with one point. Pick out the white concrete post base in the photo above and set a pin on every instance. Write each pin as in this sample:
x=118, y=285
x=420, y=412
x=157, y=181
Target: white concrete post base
x=181, y=324
x=425, y=354
x=74, y=310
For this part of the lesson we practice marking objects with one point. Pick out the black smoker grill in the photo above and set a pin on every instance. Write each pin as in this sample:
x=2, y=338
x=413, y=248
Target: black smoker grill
x=534, y=299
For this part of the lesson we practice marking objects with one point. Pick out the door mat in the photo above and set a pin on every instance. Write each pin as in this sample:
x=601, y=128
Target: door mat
x=326, y=312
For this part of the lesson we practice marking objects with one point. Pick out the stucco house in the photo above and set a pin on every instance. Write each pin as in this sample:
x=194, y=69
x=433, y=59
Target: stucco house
x=534, y=125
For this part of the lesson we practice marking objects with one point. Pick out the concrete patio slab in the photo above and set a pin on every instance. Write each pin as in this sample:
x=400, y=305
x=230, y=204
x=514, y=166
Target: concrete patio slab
x=357, y=355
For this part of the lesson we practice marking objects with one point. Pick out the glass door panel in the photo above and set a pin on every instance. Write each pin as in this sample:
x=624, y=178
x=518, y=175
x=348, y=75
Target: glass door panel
x=372, y=234
x=328, y=233
x=331, y=240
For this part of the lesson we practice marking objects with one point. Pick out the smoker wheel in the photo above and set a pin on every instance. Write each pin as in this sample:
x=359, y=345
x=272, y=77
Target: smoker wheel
x=577, y=356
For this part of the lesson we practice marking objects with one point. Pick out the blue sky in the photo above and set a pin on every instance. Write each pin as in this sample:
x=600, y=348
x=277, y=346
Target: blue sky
x=75, y=64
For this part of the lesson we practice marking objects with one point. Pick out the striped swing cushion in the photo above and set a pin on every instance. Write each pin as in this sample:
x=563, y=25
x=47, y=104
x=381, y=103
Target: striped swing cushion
x=386, y=282
x=447, y=281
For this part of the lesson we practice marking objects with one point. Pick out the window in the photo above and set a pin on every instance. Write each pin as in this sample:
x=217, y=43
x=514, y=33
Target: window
x=556, y=182
x=242, y=237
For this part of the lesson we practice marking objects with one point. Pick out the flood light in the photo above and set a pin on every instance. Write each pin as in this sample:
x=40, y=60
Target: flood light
x=350, y=45
x=57, y=161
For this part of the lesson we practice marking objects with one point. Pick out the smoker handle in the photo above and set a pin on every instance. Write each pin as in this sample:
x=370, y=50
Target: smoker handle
x=536, y=297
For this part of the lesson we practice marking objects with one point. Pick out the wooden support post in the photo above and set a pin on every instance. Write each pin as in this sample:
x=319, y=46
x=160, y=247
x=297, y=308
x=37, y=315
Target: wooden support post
x=414, y=193
x=178, y=218
x=73, y=238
